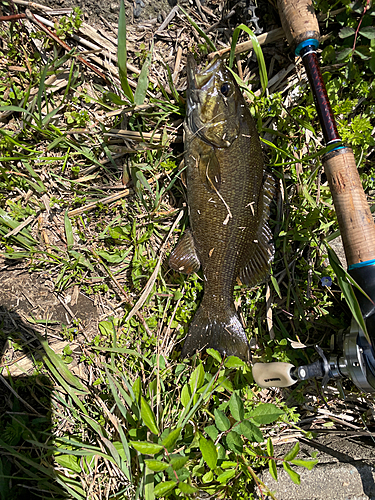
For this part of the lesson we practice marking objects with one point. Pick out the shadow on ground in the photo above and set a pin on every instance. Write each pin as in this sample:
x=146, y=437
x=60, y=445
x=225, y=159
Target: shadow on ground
x=26, y=470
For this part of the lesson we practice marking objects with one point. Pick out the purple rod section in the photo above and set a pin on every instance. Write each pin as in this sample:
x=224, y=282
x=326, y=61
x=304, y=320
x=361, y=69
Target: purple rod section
x=310, y=60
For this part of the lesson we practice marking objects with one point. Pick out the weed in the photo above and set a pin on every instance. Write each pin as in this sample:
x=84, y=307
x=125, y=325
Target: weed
x=90, y=187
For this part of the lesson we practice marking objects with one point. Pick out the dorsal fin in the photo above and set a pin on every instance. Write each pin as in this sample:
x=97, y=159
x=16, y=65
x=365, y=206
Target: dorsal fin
x=258, y=266
x=184, y=258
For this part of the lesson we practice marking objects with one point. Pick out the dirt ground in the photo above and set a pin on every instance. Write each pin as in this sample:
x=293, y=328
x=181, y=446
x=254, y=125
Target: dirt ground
x=139, y=10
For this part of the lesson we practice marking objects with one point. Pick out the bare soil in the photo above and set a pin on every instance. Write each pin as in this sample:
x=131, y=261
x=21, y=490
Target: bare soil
x=139, y=10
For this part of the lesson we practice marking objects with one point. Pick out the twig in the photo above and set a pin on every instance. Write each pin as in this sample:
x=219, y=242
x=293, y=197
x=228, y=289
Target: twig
x=22, y=225
x=32, y=5
x=32, y=18
x=13, y=17
x=167, y=20
x=270, y=37
x=128, y=300
x=136, y=136
x=108, y=199
x=359, y=24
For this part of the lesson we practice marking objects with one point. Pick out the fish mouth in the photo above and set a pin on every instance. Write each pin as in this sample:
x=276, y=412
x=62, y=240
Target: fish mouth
x=201, y=80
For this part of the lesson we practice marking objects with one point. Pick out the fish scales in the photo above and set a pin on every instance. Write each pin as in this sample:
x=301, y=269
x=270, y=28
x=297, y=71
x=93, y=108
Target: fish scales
x=228, y=200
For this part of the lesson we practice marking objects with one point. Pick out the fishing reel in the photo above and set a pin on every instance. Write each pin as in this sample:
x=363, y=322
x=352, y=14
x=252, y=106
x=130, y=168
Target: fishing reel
x=352, y=355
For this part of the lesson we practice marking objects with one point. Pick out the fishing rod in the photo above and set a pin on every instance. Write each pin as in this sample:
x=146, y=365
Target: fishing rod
x=355, y=353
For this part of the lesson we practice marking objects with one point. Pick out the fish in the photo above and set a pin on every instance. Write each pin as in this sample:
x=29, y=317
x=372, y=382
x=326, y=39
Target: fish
x=229, y=193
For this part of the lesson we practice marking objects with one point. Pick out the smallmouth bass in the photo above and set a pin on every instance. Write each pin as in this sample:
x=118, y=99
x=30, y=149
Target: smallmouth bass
x=229, y=194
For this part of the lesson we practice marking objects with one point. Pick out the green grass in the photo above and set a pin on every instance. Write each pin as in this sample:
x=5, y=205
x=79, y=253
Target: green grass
x=138, y=422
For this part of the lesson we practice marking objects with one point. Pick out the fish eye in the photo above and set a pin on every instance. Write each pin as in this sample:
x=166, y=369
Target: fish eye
x=224, y=89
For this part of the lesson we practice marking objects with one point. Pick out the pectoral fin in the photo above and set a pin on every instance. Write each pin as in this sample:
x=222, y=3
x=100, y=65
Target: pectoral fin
x=210, y=171
x=263, y=249
x=184, y=258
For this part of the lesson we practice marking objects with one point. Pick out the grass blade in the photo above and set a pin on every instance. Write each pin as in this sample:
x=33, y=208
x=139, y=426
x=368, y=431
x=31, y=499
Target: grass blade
x=200, y=31
x=343, y=279
x=68, y=231
x=121, y=53
x=141, y=90
x=257, y=50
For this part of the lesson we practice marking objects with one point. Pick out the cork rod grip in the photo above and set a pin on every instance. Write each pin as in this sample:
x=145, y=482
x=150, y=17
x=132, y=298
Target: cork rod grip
x=353, y=213
x=298, y=20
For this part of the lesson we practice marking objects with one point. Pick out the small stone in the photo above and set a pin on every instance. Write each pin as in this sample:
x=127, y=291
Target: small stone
x=137, y=11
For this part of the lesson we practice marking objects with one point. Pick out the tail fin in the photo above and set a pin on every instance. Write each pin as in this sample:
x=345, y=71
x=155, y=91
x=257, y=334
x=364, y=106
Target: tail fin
x=223, y=332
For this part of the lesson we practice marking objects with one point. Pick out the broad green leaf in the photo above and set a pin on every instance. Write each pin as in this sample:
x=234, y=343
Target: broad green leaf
x=234, y=442
x=115, y=257
x=292, y=453
x=368, y=32
x=186, y=488
x=309, y=464
x=227, y=464
x=172, y=437
x=340, y=56
x=121, y=53
x=185, y=395
x=215, y=354
x=212, y=432
x=145, y=447
x=209, y=452
x=69, y=462
x=225, y=383
x=221, y=420
x=68, y=231
x=265, y=413
x=292, y=474
x=148, y=416
x=162, y=488
x=270, y=447
x=197, y=378
x=251, y=431
x=156, y=465
x=208, y=477
x=272, y=468
x=236, y=407
x=225, y=476
x=234, y=362
x=178, y=462
x=346, y=31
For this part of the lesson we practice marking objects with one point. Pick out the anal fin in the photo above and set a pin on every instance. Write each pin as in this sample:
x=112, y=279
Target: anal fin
x=184, y=258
